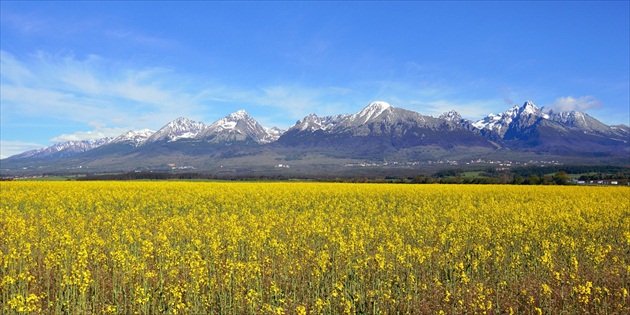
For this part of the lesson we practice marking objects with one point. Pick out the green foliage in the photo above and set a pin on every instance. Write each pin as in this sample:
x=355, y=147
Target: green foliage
x=561, y=178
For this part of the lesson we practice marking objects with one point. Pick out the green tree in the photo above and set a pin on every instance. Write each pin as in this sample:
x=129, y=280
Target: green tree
x=533, y=179
x=517, y=179
x=561, y=178
x=547, y=180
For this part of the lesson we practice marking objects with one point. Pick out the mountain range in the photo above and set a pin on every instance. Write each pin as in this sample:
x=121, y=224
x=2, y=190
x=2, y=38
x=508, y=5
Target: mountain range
x=379, y=132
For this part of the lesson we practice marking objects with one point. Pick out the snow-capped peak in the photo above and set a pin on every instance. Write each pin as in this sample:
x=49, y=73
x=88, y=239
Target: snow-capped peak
x=230, y=121
x=374, y=109
x=184, y=122
x=582, y=121
x=135, y=137
x=273, y=134
x=310, y=122
x=313, y=122
x=493, y=122
x=238, y=115
x=451, y=116
x=66, y=149
x=524, y=115
x=180, y=128
x=530, y=108
x=239, y=126
x=499, y=123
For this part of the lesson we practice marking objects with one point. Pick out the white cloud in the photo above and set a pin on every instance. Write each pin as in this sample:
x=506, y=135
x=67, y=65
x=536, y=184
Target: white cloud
x=296, y=101
x=293, y=101
x=10, y=148
x=93, y=89
x=26, y=23
x=570, y=103
x=473, y=110
x=140, y=38
x=47, y=103
x=97, y=133
x=13, y=70
x=110, y=96
x=96, y=89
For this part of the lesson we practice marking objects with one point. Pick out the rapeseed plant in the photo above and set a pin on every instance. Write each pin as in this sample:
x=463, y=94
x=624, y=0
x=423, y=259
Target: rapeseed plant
x=312, y=248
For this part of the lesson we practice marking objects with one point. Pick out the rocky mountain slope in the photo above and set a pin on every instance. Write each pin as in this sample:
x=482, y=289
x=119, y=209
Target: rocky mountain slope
x=378, y=132
x=239, y=126
x=64, y=149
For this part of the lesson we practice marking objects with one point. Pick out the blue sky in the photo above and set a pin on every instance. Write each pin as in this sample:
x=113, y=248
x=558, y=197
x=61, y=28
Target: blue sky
x=77, y=70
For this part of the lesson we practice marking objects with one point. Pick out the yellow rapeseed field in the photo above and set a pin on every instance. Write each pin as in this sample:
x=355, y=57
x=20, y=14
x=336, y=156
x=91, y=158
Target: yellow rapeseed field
x=312, y=248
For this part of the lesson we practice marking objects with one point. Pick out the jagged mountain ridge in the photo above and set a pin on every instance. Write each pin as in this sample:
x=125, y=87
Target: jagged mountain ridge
x=533, y=128
x=313, y=123
x=133, y=137
x=587, y=123
x=180, y=128
x=63, y=149
x=528, y=114
x=496, y=126
x=452, y=116
x=379, y=129
x=238, y=126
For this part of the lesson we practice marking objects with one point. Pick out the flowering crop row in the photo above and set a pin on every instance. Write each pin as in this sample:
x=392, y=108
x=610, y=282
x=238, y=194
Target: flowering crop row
x=310, y=248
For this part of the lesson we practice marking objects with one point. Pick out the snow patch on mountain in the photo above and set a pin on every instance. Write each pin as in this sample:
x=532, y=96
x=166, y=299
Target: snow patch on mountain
x=451, y=116
x=586, y=123
x=273, y=134
x=134, y=137
x=370, y=112
x=377, y=118
x=500, y=123
x=239, y=126
x=180, y=128
x=67, y=148
x=313, y=122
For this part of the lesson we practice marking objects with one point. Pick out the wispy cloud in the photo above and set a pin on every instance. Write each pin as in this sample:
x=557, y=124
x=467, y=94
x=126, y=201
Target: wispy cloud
x=94, y=90
x=570, y=103
x=427, y=99
x=13, y=70
x=25, y=23
x=470, y=109
x=141, y=39
x=433, y=98
x=100, y=131
x=112, y=98
x=297, y=102
x=89, y=90
x=282, y=105
x=10, y=148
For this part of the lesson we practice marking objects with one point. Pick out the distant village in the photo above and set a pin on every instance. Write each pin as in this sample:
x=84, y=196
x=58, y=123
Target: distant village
x=500, y=165
x=476, y=171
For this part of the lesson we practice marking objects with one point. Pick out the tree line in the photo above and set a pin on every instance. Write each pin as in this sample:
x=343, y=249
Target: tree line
x=531, y=175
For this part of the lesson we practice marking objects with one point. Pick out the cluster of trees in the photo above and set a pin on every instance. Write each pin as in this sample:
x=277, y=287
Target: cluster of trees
x=600, y=176
x=176, y=176
x=540, y=171
x=559, y=178
x=531, y=175
x=548, y=175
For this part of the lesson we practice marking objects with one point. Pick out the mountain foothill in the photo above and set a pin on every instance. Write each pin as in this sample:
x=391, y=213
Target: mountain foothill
x=379, y=132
